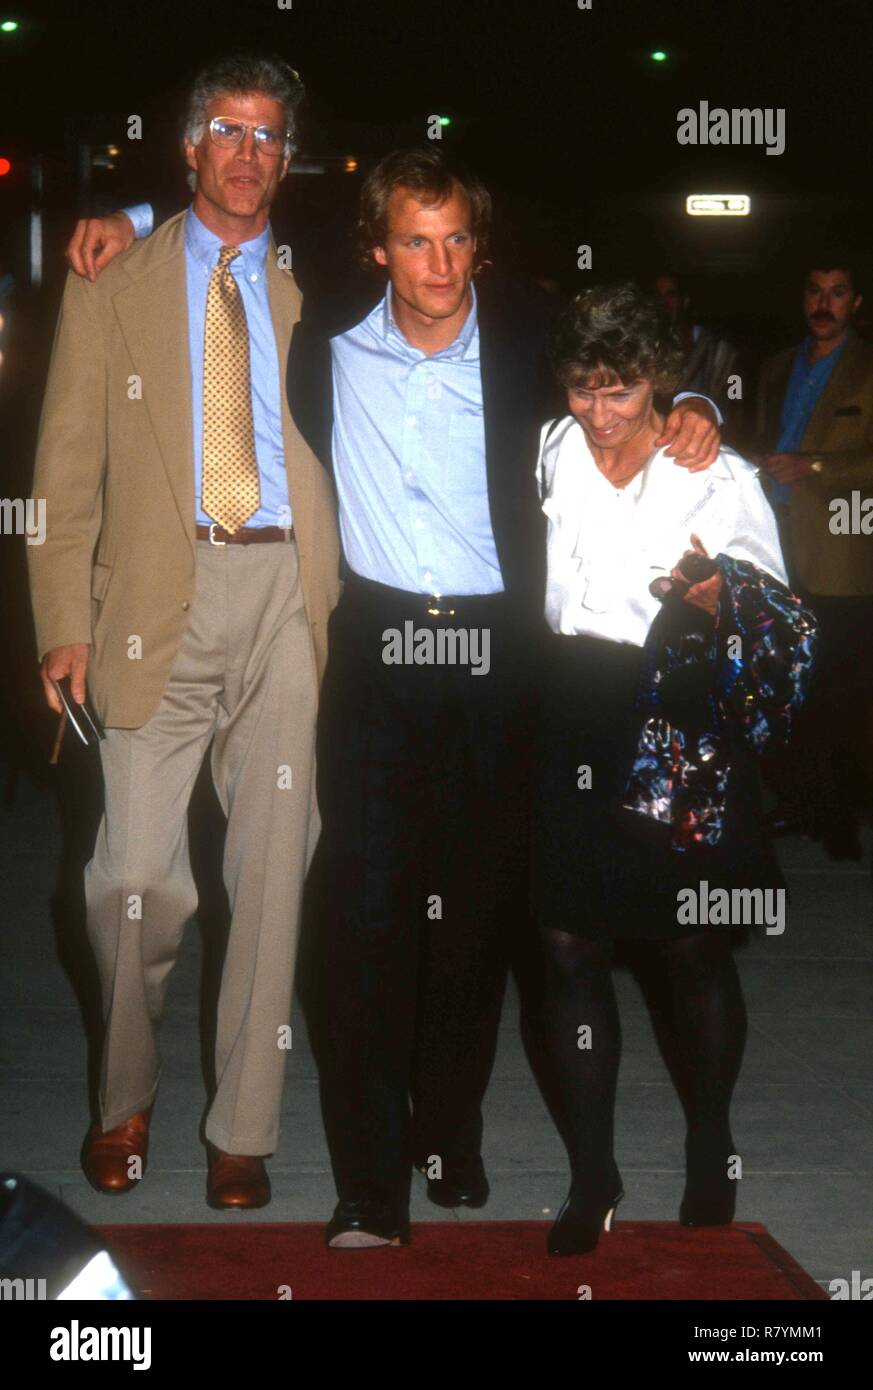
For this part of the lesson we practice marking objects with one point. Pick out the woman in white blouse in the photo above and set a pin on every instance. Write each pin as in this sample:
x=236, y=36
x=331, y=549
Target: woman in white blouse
x=620, y=515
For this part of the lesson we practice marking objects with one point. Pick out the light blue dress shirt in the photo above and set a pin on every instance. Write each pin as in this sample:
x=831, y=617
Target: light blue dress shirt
x=249, y=271
x=409, y=459
x=143, y=218
x=408, y=448
x=805, y=385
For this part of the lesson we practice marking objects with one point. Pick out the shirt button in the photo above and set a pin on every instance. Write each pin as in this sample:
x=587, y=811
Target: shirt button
x=411, y=420
x=409, y=475
x=434, y=391
x=428, y=576
x=419, y=525
x=185, y=607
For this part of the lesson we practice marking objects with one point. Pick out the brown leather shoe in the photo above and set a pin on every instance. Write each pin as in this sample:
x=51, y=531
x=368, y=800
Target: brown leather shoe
x=239, y=1181
x=106, y=1157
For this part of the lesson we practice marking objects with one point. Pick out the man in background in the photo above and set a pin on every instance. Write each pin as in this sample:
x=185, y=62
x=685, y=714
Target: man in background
x=710, y=359
x=815, y=434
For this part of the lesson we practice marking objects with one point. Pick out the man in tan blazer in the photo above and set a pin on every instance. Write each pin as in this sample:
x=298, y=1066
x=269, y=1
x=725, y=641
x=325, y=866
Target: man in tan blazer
x=815, y=429
x=188, y=573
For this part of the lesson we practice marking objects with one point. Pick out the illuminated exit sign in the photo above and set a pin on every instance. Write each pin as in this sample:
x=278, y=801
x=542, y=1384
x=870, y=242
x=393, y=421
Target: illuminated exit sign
x=718, y=204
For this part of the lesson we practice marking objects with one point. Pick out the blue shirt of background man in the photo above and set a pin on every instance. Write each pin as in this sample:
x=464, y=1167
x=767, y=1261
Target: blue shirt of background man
x=409, y=459
x=805, y=385
x=249, y=271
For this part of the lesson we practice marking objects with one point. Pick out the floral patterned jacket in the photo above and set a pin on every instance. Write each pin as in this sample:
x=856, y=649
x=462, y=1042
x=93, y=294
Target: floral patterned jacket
x=704, y=684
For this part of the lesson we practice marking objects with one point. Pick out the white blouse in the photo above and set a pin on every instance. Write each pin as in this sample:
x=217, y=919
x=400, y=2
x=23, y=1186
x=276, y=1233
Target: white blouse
x=607, y=544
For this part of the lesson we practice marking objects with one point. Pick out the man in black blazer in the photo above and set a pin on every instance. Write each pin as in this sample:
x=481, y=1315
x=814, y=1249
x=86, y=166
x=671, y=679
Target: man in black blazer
x=426, y=405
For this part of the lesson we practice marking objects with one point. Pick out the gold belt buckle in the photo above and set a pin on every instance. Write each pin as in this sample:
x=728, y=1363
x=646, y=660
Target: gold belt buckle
x=439, y=612
x=212, y=540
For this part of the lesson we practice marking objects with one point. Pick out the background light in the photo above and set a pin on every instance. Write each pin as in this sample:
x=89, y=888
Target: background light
x=659, y=56
x=718, y=204
x=445, y=120
x=5, y=166
x=9, y=26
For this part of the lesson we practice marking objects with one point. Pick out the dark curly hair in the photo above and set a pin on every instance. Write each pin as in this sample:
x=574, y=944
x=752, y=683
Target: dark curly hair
x=431, y=175
x=615, y=333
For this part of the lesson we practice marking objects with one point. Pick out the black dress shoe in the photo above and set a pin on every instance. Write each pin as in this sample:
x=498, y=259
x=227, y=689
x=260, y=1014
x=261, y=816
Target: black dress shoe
x=463, y=1185
x=365, y=1224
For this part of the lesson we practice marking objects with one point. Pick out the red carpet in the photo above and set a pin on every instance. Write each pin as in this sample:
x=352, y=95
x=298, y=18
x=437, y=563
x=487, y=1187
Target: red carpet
x=458, y=1260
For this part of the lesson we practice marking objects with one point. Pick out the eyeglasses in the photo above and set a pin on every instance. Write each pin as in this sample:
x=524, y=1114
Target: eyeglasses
x=226, y=132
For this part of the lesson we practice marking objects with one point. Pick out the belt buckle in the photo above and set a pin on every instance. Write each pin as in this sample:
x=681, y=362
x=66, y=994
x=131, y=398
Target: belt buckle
x=212, y=540
x=438, y=612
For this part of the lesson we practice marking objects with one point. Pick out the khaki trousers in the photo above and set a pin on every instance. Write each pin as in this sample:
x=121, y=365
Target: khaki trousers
x=243, y=679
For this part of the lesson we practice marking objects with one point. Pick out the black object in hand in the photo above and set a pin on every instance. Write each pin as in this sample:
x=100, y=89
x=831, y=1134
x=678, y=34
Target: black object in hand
x=697, y=568
x=82, y=717
x=694, y=568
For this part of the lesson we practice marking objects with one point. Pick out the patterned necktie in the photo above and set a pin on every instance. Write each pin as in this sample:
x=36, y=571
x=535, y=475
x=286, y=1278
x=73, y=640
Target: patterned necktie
x=231, y=491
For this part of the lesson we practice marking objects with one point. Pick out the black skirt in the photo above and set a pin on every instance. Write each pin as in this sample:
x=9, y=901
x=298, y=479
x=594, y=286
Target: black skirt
x=599, y=871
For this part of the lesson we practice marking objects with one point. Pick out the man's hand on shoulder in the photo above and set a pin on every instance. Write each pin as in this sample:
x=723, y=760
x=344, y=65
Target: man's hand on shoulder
x=693, y=434
x=97, y=241
x=789, y=468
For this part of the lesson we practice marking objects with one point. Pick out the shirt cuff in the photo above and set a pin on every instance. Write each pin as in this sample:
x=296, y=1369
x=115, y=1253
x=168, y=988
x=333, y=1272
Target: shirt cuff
x=684, y=395
x=143, y=219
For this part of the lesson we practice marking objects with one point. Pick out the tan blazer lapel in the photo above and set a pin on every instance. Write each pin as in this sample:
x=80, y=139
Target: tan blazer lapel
x=284, y=297
x=847, y=380
x=153, y=314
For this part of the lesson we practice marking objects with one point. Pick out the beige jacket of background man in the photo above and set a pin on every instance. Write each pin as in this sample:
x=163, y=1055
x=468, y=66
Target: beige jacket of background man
x=115, y=467
x=840, y=434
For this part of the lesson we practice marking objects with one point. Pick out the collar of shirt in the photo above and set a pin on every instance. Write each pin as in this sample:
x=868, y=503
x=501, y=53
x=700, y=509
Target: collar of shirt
x=575, y=463
x=820, y=364
x=464, y=345
x=204, y=247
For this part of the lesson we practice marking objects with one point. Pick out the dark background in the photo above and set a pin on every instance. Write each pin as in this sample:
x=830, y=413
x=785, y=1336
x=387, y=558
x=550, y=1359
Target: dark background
x=561, y=110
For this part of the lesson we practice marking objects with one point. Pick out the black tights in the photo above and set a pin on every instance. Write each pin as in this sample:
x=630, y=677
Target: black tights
x=704, y=1020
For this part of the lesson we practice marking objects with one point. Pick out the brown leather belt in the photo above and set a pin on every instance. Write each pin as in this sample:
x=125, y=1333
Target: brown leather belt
x=246, y=535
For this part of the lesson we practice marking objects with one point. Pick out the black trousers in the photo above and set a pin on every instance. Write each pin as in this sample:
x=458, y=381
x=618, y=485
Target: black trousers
x=423, y=789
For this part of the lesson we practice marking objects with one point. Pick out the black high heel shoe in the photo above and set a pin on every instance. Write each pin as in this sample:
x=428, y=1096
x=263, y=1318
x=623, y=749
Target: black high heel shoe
x=710, y=1197
x=580, y=1221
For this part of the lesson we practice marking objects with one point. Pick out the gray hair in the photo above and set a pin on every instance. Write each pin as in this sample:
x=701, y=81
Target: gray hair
x=240, y=72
